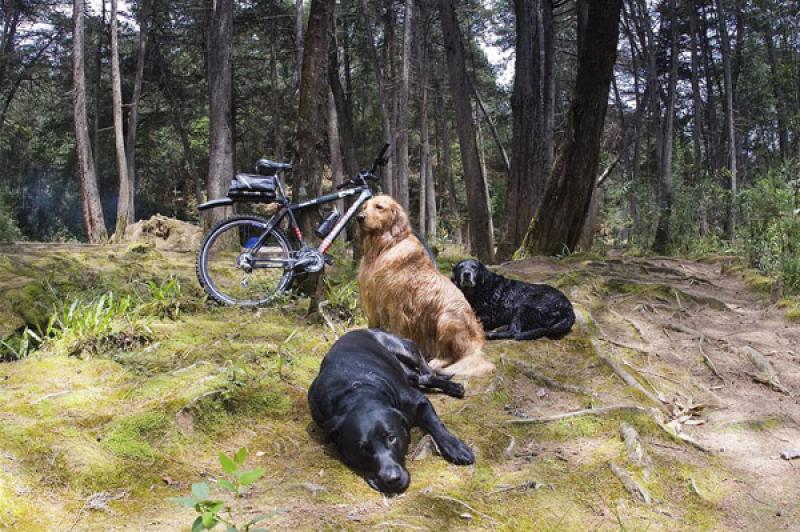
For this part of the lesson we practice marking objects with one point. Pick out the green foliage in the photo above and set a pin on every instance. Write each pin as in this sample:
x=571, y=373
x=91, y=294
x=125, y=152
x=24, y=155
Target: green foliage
x=165, y=298
x=235, y=483
x=770, y=234
x=19, y=346
x=8, y=223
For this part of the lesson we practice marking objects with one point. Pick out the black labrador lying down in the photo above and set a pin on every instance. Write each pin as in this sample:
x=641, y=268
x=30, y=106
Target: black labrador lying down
x=528, y=311
x=367, y=397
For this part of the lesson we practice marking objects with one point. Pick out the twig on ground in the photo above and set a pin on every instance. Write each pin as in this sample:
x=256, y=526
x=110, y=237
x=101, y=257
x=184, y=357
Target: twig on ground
x=328, y=321
x=465, y=505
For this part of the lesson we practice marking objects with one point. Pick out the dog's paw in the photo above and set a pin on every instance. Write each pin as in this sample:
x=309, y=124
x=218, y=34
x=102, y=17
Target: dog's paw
x=456, y=451
x=453, y=389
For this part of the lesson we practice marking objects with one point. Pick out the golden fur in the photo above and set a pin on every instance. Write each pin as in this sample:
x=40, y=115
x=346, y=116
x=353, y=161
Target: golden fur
x=402, y=292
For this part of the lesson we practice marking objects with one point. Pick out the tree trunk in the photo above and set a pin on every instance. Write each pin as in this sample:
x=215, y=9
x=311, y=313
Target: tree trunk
x=125, y=190
x=446, y=163
x=662, y=236
x=697, y=98
x=98, y=81
x=133, y=113
x=313, y=108
x=275, y=99
x=777, y=91
x=725, y=51
x=298, y=40
x=481, y=236
x=334, y=147
x=401, y=194
x=220, y=88
x=93, y=220
x=528, y=173
x=312, y=114
x=427, y=180
x=567, y=196
x=380, y=77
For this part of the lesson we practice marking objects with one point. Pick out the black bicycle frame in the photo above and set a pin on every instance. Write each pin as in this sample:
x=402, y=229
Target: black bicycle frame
x=287, y=209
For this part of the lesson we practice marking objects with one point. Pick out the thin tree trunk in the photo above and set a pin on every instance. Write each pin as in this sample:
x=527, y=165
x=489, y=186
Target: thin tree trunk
x=133, y=113
x=220, y=87
x=446, y=163
x=93, y=220
x=568, y=193
x=98, y=80
x=725, y=51
x=401, y=194
x=777, y=91
x=380, y=76
x=125, y=191
x=275, y=100
x=298, y=40
x=482, y=241
x=427, y=179
x=334, y=147
x=697, y=98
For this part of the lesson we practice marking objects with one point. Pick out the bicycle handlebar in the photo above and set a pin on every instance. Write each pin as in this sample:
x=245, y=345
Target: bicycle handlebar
x=367, y=175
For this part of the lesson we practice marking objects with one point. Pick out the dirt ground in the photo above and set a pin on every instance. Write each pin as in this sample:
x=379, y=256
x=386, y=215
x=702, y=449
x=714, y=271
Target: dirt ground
x=705, y=454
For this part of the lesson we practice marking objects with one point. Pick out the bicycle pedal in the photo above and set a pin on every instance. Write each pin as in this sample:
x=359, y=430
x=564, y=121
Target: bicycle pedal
x=328, y=259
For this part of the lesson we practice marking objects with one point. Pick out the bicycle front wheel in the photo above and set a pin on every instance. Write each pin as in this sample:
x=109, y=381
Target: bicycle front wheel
x=232, y=272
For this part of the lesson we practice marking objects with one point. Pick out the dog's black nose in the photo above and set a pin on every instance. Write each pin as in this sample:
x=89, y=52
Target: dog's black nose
x=467, y=279
x=394, y=479
x=360, y=216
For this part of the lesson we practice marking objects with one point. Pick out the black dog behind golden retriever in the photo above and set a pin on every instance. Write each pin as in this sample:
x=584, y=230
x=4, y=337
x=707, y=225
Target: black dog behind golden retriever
x=529, y=311
x=366, y=398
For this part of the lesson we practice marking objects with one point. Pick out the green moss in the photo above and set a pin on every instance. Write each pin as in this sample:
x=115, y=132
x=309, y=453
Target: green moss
x=758, y=282
x=131, y=437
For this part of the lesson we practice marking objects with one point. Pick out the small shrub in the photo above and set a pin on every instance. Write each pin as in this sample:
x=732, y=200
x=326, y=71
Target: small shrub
x=9, y=230
x=19, y=346
x=213, y=512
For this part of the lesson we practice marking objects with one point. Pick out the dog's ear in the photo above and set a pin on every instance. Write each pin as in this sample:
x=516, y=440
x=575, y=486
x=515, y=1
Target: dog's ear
x=399, y=222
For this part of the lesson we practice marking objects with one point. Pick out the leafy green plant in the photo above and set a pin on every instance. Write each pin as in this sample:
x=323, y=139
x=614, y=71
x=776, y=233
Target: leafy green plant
x=343, y=300
x=19, y=346
x=166, y=298
x=213, y=512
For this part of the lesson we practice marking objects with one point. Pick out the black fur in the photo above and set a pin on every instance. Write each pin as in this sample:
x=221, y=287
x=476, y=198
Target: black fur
x=528, y=311
x=366, y=398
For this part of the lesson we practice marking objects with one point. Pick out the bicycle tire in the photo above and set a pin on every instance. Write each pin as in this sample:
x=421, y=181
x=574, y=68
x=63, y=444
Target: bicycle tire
x=207, y=282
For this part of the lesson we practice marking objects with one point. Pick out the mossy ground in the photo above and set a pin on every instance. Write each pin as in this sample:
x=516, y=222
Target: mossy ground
x=140, y=423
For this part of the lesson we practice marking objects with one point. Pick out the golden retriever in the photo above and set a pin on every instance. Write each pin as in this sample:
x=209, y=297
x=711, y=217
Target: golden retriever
x=402, y=292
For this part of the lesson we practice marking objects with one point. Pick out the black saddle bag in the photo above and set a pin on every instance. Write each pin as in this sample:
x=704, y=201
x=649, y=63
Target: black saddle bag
x=253, y=187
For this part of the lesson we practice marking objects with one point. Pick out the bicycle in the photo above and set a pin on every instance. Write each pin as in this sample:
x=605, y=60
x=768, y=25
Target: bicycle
x=248, y=260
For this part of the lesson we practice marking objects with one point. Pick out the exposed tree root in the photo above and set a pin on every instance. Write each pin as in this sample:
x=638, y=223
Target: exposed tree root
x=541, y=380
x=636, y=490
x=585, y=412
x=766, y=372
x=627, y=378
x=636, y=452
x=709, y=362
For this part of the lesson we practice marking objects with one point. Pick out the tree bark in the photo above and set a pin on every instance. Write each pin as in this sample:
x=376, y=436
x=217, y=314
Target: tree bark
x=697, y=98
x=566, y=199
x=220, y=88
x=93, y=220
x=380, y=77
x=125, y=200
x=298, y=40
x=133, y=112
x=725, y=52
x=275, y=100
x=313, y=108
x=528, y=172
x=427, y=204
x=777, y=91
x=662, y=236
x=401, y=194
x=482, y=241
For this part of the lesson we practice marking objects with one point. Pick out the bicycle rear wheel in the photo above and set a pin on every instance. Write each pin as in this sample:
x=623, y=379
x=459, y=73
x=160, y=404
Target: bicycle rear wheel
x=234, y=274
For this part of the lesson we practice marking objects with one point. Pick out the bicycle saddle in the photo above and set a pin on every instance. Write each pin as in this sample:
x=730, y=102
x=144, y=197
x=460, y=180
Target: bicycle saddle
x=267, y=167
